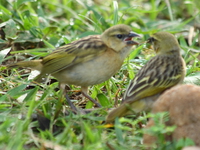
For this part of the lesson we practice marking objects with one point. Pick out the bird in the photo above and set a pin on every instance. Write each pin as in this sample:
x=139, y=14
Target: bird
x=88, y=61
x=161, y=72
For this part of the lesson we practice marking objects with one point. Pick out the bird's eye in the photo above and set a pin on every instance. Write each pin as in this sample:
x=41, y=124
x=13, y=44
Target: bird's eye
x=151, y=40
x=119, y=36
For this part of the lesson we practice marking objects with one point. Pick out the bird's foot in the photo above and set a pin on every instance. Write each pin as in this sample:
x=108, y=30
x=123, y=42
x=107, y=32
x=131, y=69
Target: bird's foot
x=92, y=100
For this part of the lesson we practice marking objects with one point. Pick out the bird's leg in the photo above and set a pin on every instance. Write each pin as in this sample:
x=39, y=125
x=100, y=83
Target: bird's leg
x=74, y=109
x=84, y=91
x=62, y=88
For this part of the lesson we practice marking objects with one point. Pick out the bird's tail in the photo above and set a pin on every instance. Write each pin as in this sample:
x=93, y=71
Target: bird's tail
x=117, y=112
x=33, y=64
x=131, y=107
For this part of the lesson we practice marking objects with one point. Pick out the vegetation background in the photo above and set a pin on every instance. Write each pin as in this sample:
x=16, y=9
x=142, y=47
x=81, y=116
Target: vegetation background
x=30, y=29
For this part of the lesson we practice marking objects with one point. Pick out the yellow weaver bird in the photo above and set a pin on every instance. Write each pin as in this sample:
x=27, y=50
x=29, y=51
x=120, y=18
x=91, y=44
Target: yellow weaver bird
x=88, y=61
x=163, y=71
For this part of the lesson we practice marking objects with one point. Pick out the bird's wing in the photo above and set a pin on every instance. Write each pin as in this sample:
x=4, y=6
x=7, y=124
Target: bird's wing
x=76, y=52
x=155, y=77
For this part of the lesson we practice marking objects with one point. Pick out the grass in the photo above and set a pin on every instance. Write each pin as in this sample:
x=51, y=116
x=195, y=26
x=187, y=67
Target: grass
x=32, y=29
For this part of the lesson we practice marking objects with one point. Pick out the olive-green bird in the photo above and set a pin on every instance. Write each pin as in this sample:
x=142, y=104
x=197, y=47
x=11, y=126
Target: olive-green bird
x=162, y=72
x=88, y=61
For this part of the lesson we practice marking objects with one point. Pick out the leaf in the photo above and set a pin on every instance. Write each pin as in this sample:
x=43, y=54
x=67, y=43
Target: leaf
x=130, y=71
x=89, y=134
x=118, y=131
x=87, y=33
x=49, y=30
x=31, y=96
x=20, y=2
x=115, y=5
x=15, y=92
x=184, y=142
x=103, y=99
x=10, y=29
x=4, y=12
x=136, y=51
x=193, y=78
x=3, y=54
x=26, y=37
x=98, y=16
x=89, y=105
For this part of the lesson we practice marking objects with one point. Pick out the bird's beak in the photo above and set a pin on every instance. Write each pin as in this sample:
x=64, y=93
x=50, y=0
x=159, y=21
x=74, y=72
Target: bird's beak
x=150, y=40
x=129, y=37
